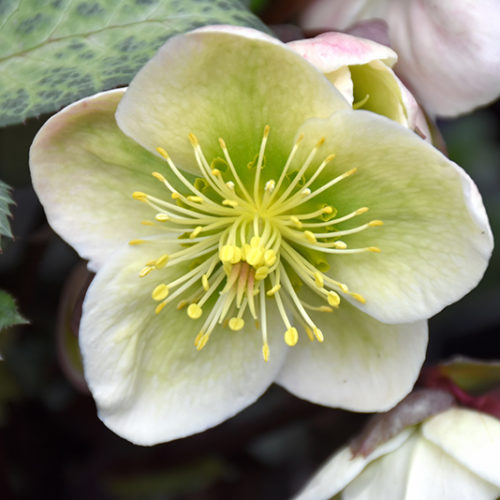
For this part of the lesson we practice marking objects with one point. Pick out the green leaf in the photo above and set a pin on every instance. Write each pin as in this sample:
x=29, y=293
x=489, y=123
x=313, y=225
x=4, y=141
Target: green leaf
x=5, y=201
x=8, y=312
x=53, y=52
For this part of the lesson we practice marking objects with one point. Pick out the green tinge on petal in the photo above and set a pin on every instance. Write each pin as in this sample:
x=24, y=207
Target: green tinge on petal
x=354, y=367
x=471, y=438
x=377, y=83
x=149, y=381
x=435, y=240
x=221, y=83
x=85, y=170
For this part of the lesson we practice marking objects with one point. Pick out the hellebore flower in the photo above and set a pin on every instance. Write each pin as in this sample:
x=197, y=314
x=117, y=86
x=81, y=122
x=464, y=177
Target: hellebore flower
x=361, y=71
x=451, y=455
x=255, y=236
x=448, y=50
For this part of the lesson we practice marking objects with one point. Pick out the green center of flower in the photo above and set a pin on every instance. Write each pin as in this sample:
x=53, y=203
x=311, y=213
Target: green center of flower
x=251, y=245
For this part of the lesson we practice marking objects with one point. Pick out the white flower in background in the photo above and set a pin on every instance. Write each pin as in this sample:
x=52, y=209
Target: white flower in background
x=283, y=235
x=453, y=455
x=448, y=50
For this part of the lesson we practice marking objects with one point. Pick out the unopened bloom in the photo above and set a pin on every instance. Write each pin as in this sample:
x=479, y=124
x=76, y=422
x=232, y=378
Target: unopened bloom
x=361, y=71
x=275, y=235
x=452, y=455
x=448, y=49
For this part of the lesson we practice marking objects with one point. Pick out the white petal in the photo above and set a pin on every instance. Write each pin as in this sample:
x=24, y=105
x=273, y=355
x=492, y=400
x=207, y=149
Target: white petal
x=84, y=170
x=342, y=468
x=149, y=381
x=471, y=438
x=362, y=365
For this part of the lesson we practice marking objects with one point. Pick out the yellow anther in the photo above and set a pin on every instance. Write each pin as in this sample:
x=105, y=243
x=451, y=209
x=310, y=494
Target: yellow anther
x=204, y=282
x=374, y=249
x=236, y=255
x=136, y=242
x=318, y=279
x=236, y=324
x=160, y=306
x=195, y=199
x=202, y=342
x=196, y=232
x=160, y=292
x=226, y=253
x=139, y=195
x=145, y=271
x=269, y=257
x=194, y=311
x=358, y=297
x=270, y=185
x=230, y=185
x=230, y=203
x=265, y=351
x=162, y=153
x=341, y=245
x=291, y=336
x=361, y=210
x=318, y=334
x=327, y=209
x=254, y=256
x=325, y=309
x=343, y=287
x=305, y=192
x=216, y=172
x=181, y=305
x=329, y=158
x=255, y=241
x=333, y=298
x=320, y=142
x=222, y=143
x=310, y=237
x=193, y=140
x=161, y=262
x=375, y=223
x=176, y=196
x=162, y=217
x=261, y=273
x=296, y=221
x=266, y=130
x=158, y=176
x=309, y=334
x=197, y=338
x=350, y=172
x=273, y=290
x=147, y=223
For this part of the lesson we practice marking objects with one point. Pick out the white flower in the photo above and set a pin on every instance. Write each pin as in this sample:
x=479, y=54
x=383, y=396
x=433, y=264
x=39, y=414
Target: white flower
x=451, y=456
x=255, y=236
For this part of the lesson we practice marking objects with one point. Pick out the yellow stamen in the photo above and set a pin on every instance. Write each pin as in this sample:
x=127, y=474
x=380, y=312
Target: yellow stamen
x=236, y=324
x=194, y=311
x=160, y=292
x=291, y=336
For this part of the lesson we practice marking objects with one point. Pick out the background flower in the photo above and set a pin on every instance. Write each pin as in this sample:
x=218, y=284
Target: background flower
x=447, y=50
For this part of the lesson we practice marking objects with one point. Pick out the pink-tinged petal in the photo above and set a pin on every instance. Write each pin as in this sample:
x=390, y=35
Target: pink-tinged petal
x=84, y=170
x=331, y=51
x=448, y=52
x=355, y=366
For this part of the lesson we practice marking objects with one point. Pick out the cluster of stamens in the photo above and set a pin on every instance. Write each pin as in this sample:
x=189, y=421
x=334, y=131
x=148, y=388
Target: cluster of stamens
x=250, y=245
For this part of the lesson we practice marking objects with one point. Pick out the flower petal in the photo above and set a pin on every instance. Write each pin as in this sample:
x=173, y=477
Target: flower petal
x=435, y=241
x=355, y=366
x=85, y=170
x=221, y=82
x=471, y=438
x=149, y=381
x=416, y=470
x=331, y=51
x=342, y=468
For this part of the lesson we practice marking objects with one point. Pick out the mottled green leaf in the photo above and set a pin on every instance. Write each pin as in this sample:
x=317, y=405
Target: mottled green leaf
x=5, y=201
x=53, y=52
x=9, y=315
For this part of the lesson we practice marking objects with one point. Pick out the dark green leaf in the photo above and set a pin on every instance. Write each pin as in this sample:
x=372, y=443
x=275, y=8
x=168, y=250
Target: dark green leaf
x=5, y=201
x=8, y=312
x=53, y=52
